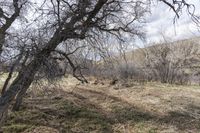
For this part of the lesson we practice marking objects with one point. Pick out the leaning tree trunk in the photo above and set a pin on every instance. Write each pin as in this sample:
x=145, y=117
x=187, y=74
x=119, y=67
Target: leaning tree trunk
x=26, y=76
x=19, y=99
x=23, y=81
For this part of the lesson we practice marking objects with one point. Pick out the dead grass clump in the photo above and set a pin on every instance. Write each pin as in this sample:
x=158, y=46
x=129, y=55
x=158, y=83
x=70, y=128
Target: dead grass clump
x=131, y=114
x=114, y=81
x=98, y=82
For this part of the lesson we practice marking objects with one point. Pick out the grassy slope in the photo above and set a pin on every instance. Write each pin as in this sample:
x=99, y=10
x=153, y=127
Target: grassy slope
x=72, y=108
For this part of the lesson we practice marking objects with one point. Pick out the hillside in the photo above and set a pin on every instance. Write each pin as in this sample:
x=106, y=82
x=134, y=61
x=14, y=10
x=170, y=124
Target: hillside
x=138, y=55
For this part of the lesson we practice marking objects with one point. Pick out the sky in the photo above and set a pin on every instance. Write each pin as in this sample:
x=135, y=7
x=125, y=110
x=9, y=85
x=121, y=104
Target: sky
x=161, y=21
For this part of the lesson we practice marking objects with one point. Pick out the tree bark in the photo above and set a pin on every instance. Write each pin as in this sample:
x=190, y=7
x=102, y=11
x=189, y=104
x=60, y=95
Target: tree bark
x=2, y=40
x=19, y=99
x=10, y=73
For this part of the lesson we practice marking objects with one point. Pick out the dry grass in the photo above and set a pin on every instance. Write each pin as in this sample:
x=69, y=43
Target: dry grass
x=76, y=108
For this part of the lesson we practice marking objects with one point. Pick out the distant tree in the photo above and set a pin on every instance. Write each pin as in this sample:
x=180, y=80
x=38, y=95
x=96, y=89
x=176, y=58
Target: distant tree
x=168, y=61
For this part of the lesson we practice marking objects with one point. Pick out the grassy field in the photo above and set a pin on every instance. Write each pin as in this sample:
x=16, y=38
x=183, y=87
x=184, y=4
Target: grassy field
x=102, y=108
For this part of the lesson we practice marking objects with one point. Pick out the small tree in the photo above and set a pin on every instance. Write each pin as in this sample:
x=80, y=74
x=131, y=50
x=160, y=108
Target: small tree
x=168, y=61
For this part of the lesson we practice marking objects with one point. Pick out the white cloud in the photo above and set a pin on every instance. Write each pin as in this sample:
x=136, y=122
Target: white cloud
x=161, y=20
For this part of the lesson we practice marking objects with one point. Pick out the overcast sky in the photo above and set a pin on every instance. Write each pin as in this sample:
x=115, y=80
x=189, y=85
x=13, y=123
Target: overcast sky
x=161, y=20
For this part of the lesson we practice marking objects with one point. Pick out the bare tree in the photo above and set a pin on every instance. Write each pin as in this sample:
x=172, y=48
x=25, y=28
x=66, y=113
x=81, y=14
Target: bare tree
x=79, y=20
x=7, y=17
x=168, y=61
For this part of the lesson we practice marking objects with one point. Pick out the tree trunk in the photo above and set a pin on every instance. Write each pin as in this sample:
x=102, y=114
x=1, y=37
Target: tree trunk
x=23, y=81
x=26, y=76
x=2, y=40
x=10, y=73
x=19, y=99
